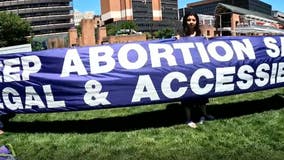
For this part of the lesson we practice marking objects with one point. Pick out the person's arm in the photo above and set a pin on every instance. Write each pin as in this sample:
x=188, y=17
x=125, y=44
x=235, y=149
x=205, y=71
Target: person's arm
x=177, y=36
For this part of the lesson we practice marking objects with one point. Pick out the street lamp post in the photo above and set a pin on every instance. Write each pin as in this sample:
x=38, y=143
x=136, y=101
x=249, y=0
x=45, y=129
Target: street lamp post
x=220, y=23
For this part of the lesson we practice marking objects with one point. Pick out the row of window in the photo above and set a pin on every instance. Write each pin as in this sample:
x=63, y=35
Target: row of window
x=38, y=14
x=33, y=6
x=50, y=22
x=49, y=31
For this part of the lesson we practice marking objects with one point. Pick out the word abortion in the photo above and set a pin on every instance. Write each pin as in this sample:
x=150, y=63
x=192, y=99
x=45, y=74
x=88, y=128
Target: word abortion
x=102, y=61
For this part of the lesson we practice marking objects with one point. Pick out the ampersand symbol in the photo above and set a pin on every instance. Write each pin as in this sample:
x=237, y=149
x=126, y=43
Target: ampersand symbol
x=94, y=96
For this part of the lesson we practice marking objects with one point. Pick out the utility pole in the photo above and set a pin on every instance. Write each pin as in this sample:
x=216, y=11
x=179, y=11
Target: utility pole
x=220, y=23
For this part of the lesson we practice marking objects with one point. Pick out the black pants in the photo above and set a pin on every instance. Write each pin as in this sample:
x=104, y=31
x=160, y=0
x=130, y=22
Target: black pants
x=195, y=108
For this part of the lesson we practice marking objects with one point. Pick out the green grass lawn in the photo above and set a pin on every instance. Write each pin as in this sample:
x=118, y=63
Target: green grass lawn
x=248, y=127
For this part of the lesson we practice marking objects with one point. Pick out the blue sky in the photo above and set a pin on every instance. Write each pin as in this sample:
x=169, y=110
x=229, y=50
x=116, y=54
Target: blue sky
x=94, y=5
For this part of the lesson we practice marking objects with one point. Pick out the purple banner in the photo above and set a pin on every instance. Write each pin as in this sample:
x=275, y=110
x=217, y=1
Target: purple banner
x=130, y=74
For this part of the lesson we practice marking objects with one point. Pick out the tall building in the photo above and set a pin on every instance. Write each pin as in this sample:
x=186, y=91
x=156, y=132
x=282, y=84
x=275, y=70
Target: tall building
x=280, y=17
x=208, y=6
x=149, y=15
x=47, y=17
x=233, y=20
x=232, y=17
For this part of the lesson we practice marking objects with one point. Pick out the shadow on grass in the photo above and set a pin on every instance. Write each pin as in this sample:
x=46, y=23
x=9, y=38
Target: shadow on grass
x=172, y=115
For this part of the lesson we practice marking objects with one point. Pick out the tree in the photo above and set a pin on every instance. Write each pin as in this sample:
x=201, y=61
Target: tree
x=148, y=35
x=79, y=30
x=113, y=28
x=164, y=33
x=128, y=25
x=13, y=30
x=36, y=46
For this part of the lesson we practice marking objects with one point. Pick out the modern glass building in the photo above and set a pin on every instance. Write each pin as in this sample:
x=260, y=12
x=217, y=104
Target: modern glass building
x=252, y=5
x=47, y=17
x=149, y=15
x=143, y=15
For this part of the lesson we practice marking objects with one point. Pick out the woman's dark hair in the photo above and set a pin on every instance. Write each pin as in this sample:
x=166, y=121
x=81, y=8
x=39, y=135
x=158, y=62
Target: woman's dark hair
x=186, y=29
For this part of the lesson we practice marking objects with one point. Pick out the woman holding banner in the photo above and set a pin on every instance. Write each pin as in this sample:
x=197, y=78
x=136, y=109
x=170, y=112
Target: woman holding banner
x=191, y=28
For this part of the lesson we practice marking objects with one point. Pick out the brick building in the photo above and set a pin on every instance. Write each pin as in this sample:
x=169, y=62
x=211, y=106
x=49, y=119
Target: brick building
x=208, y=6
x=247, y=17
x=149, y=15
x=232, y=20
